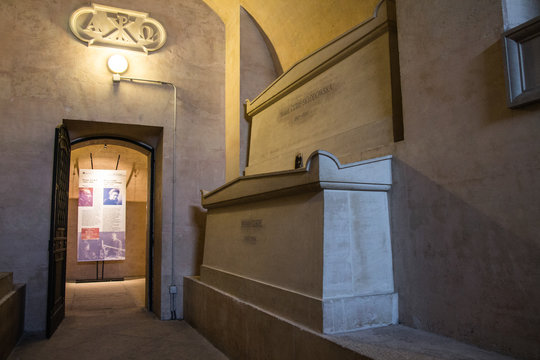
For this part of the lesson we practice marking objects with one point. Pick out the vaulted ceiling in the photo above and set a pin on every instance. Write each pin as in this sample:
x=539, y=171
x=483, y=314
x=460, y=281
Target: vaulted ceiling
x=297, y=28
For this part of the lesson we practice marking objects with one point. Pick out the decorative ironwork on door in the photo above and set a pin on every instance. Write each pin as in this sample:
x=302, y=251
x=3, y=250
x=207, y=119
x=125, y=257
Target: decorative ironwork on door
x=58, y=234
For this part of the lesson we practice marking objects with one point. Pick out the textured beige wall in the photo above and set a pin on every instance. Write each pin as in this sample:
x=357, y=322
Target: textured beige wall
x=47, y=75
x=285, y=23
x=229, y=12
x=465, y=196
x=257, y=70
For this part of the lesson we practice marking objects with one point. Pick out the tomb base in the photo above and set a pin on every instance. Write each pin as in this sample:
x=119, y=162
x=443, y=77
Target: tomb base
x=244, y=331
x=310, y=245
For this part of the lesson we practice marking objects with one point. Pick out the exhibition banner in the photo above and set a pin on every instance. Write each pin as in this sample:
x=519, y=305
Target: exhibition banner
x=101, y=227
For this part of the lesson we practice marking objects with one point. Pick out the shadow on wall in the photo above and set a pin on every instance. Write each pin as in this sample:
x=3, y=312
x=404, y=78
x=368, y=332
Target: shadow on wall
x=490, y=64
x=198, y=217
x=460, y=272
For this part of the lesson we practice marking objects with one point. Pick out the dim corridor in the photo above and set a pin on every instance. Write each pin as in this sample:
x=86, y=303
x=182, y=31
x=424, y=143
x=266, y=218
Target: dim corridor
x=108, y=321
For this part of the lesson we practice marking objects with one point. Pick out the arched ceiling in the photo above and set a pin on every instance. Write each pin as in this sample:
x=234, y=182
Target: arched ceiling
x=297, y=28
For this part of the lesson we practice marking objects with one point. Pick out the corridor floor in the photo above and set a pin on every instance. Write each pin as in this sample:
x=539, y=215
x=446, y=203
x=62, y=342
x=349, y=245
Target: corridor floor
x=108, y=321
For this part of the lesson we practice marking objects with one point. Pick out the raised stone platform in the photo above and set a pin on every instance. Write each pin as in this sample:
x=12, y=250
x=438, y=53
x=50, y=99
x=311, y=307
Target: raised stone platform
x=244, y=331
x=12, y=302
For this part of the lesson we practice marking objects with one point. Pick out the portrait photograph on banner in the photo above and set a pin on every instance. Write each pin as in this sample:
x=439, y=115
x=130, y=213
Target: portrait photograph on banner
x=101, y=225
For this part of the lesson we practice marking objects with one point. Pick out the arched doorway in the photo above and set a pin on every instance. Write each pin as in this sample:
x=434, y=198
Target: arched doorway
x=141, y=143
x=132, y=260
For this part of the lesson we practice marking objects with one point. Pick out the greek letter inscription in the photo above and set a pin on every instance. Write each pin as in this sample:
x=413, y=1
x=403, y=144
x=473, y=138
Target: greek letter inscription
x=109, y=26
x=121, y=22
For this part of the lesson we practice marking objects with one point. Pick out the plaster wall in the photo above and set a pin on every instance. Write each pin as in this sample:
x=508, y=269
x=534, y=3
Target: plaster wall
x=229, y=12
x=48, y=75
x=465, y=198
x=288, y=35
x=257, y=70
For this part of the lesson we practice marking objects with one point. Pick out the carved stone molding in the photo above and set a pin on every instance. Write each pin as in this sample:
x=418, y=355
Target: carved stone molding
x=110, y=26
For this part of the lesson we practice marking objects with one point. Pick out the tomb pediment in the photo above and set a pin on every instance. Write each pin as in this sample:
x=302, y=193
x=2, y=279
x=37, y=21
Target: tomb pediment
x=344, y=98
x=323, y=171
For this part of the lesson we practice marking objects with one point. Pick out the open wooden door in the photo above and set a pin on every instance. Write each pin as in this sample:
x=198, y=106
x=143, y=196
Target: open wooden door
x=58, y=235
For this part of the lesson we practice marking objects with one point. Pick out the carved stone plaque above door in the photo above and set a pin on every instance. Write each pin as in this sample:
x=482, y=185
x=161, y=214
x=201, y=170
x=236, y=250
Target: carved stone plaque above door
x=110, y=26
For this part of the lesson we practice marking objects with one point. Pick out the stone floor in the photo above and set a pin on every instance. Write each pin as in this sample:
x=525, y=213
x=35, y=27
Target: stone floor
x=108, y=321
x=399, y=342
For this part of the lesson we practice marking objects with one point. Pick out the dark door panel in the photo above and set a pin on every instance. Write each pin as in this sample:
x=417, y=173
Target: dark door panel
x=58, y=235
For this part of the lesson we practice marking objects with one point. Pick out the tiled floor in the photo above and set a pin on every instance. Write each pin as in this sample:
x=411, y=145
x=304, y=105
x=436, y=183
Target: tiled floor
x=108, y=321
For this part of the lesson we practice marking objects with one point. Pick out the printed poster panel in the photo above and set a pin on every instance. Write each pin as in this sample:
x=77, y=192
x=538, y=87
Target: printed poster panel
x=102, y=215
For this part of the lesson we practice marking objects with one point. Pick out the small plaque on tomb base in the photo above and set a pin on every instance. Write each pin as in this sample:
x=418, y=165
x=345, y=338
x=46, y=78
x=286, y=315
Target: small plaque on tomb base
x=250, y=227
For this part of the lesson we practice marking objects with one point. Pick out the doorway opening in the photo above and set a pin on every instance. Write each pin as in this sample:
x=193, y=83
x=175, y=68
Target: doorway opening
x=116, y=255
x=147, y=140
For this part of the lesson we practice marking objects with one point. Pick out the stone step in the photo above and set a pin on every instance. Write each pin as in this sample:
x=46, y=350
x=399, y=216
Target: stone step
x=6, y=283
x=244, y=331
x=11, y=313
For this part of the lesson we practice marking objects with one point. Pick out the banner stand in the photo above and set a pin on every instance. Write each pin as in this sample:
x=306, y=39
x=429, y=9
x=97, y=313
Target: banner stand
x=101, y=218
x=97, y=279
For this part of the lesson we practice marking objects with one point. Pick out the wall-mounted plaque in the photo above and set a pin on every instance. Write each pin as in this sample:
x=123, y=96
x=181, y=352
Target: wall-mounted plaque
x=109, y=26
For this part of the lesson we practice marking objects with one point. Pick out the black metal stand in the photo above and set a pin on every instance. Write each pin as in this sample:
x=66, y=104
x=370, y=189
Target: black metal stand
x=97, y=279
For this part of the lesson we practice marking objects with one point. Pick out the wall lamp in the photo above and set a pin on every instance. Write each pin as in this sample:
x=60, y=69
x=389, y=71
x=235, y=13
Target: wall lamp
x=118, y=64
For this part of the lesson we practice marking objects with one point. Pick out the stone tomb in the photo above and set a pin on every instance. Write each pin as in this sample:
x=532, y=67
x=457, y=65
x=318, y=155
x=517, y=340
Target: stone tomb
x=295, y=250
x=311, y=245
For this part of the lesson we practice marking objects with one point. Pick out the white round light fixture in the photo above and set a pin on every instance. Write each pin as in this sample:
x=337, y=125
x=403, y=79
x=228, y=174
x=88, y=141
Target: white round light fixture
x=118, y=64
